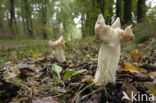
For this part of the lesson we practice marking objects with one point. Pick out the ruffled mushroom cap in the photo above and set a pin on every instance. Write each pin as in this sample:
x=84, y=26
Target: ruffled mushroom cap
x=59, y=43
x=116, y=24
x=105, y=32
x=99, y=25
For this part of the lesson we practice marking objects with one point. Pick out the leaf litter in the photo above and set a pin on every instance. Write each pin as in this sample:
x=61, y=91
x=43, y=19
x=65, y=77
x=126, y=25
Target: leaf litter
x=41, y=79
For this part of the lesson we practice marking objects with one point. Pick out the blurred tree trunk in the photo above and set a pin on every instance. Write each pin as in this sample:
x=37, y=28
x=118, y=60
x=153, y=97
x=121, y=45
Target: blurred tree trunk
x=44, y=19
x=119, y=9
x=101, y=4
x=106, y=8
x=141, y=10
x=82, y=23
x=1, y=16
x=12, y=16
x=109, y=11
x=28, y=19
x=127, y=11
x=23, y=22
x=93, y=15
x=89, y=18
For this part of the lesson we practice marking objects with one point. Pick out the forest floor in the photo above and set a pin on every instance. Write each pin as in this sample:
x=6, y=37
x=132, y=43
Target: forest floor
x=41, y=79
x=7, y=44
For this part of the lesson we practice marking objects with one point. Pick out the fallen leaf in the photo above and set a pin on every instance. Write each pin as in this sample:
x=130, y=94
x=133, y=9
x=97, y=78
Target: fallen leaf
x=151, y=88
x=86, y=78
x=142, y=70
x=97, y=49
x=35, y=55
x=149, y=67
x=152, y=75
x=135, y=55
x=32, y=83
x=14, y=61
x=130, y=68
x=10, y=74
x=25, y=68
x=89, y=56
x=45, y=100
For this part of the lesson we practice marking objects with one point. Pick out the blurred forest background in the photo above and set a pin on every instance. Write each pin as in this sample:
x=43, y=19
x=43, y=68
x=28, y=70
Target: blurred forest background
x=47, y=19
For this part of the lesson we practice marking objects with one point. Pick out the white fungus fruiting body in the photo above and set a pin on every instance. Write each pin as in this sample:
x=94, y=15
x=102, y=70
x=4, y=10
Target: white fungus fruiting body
x=58, y=47
x=109, y=53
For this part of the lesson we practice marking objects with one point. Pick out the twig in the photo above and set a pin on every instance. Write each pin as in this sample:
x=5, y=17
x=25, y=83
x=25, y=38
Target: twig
x=91, y=93
x=81, y=91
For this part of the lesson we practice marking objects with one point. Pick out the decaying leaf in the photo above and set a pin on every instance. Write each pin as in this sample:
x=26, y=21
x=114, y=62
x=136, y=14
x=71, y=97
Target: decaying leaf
x=45, y=100
x=130, y=68
x=35, y=55
x=14, y=61
x=29, y=68
x=34, y=79
x=10, y=74
x=97, y=49
x=89, y=56
x=87, y=78
x=32, y=83
x=142, y=70
x=152, y=75
x=135, y=55
x=151, y=88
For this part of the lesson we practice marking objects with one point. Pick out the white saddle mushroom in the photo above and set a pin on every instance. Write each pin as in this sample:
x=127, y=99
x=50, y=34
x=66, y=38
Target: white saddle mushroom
x=58, y=47
x=109, y=53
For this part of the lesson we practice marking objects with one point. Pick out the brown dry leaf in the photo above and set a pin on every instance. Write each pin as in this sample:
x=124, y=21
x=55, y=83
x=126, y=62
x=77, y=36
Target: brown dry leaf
x=151, y=88
x=87, y=78
x=70, y=48
x=32, y=83
x=142, y=70
x=36, y=68
x=35, y=55
x=45, y=100
x=122, y=54
x=14, y=61
x=152, y=75
x=130, y=68
x=89, y=56
x=135, y=55
x=10, y=74
x=19, y=55
x=94, y=59
x=128, y=87
x=97, y=49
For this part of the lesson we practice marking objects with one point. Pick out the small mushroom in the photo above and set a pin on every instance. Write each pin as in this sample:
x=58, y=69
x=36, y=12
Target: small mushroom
x=109, y=53
x=58, y=47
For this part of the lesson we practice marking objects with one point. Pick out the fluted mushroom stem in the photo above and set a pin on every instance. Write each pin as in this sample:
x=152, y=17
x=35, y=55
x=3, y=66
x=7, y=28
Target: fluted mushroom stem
x=59, y=54
x=108, y=59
